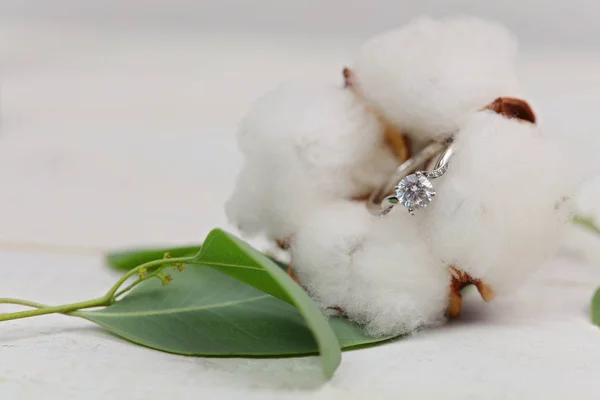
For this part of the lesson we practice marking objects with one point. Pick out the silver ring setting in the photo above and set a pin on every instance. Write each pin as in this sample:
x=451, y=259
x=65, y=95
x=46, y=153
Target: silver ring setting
x=413, y=189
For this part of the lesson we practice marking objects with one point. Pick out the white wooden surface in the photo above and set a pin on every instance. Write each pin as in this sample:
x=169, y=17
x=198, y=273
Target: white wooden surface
x=118, y=138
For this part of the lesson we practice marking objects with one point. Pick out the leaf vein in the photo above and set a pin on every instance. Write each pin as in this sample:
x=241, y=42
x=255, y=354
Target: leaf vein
x=179, y=310
x=231, y=265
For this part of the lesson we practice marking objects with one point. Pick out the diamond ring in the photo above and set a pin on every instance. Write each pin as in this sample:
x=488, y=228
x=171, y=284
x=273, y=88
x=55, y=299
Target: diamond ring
x=411, y=185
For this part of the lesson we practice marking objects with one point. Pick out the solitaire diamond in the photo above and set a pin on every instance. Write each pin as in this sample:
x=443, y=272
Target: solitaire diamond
x=415, y=191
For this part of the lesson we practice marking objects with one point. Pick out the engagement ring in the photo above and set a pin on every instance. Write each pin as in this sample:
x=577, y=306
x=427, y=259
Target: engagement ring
x=412, y=189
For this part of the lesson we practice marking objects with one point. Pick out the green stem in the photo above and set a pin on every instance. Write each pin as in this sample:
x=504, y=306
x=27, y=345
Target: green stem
x=135, y=283
x=129, y=287
x=106, y=300
x=20, y=302
x=63, y=309
x=151, y=264
x=587, y=223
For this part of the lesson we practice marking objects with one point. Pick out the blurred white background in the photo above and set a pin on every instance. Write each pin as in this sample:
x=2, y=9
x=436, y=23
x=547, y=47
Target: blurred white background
x=117, y=122
x=537, y=22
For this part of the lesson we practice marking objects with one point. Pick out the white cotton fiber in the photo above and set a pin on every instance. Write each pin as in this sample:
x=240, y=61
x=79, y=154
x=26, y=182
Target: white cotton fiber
x=326, y=128
x=502, y=208
x=303, y=144
x=324, y=247
x=379, y=271
x=272, y=198
x=428, y=76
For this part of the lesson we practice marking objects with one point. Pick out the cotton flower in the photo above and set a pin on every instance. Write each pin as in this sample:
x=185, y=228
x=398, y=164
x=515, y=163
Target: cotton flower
x=378, y=271
x=310, y=151
x=305, y=144
x=502, y=208
x=429, y=76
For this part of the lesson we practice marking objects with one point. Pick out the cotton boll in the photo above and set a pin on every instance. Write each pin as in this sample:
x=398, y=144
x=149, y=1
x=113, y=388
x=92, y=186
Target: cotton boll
x=304, y=145
x=325, y=128
x=430, y=75
x=501, y=209
x=379, y=271
x=398, y=286
x=324, y=247
x=273, y=197
x=245, y=207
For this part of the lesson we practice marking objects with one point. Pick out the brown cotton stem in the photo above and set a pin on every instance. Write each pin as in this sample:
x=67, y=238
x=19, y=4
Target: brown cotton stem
x=454, y=304
x=396, y=140
x=290, y=272
x=511, y=107
x=348, y=77
x=460, y=280
x=486, y=292
x=284, y=244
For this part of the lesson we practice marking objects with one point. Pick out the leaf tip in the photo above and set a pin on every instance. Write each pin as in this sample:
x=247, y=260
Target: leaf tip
x=331, y=364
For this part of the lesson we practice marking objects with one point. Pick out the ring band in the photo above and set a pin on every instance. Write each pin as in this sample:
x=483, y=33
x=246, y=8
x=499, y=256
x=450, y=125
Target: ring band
x=412, y=187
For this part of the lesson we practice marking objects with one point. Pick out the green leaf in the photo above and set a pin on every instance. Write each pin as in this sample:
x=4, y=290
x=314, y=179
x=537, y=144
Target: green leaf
x=587, y=223
x=238, y=259
x=129, y=259
x=596, y=308
x=352, y=336
x=204, y=312
x=226, y=253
